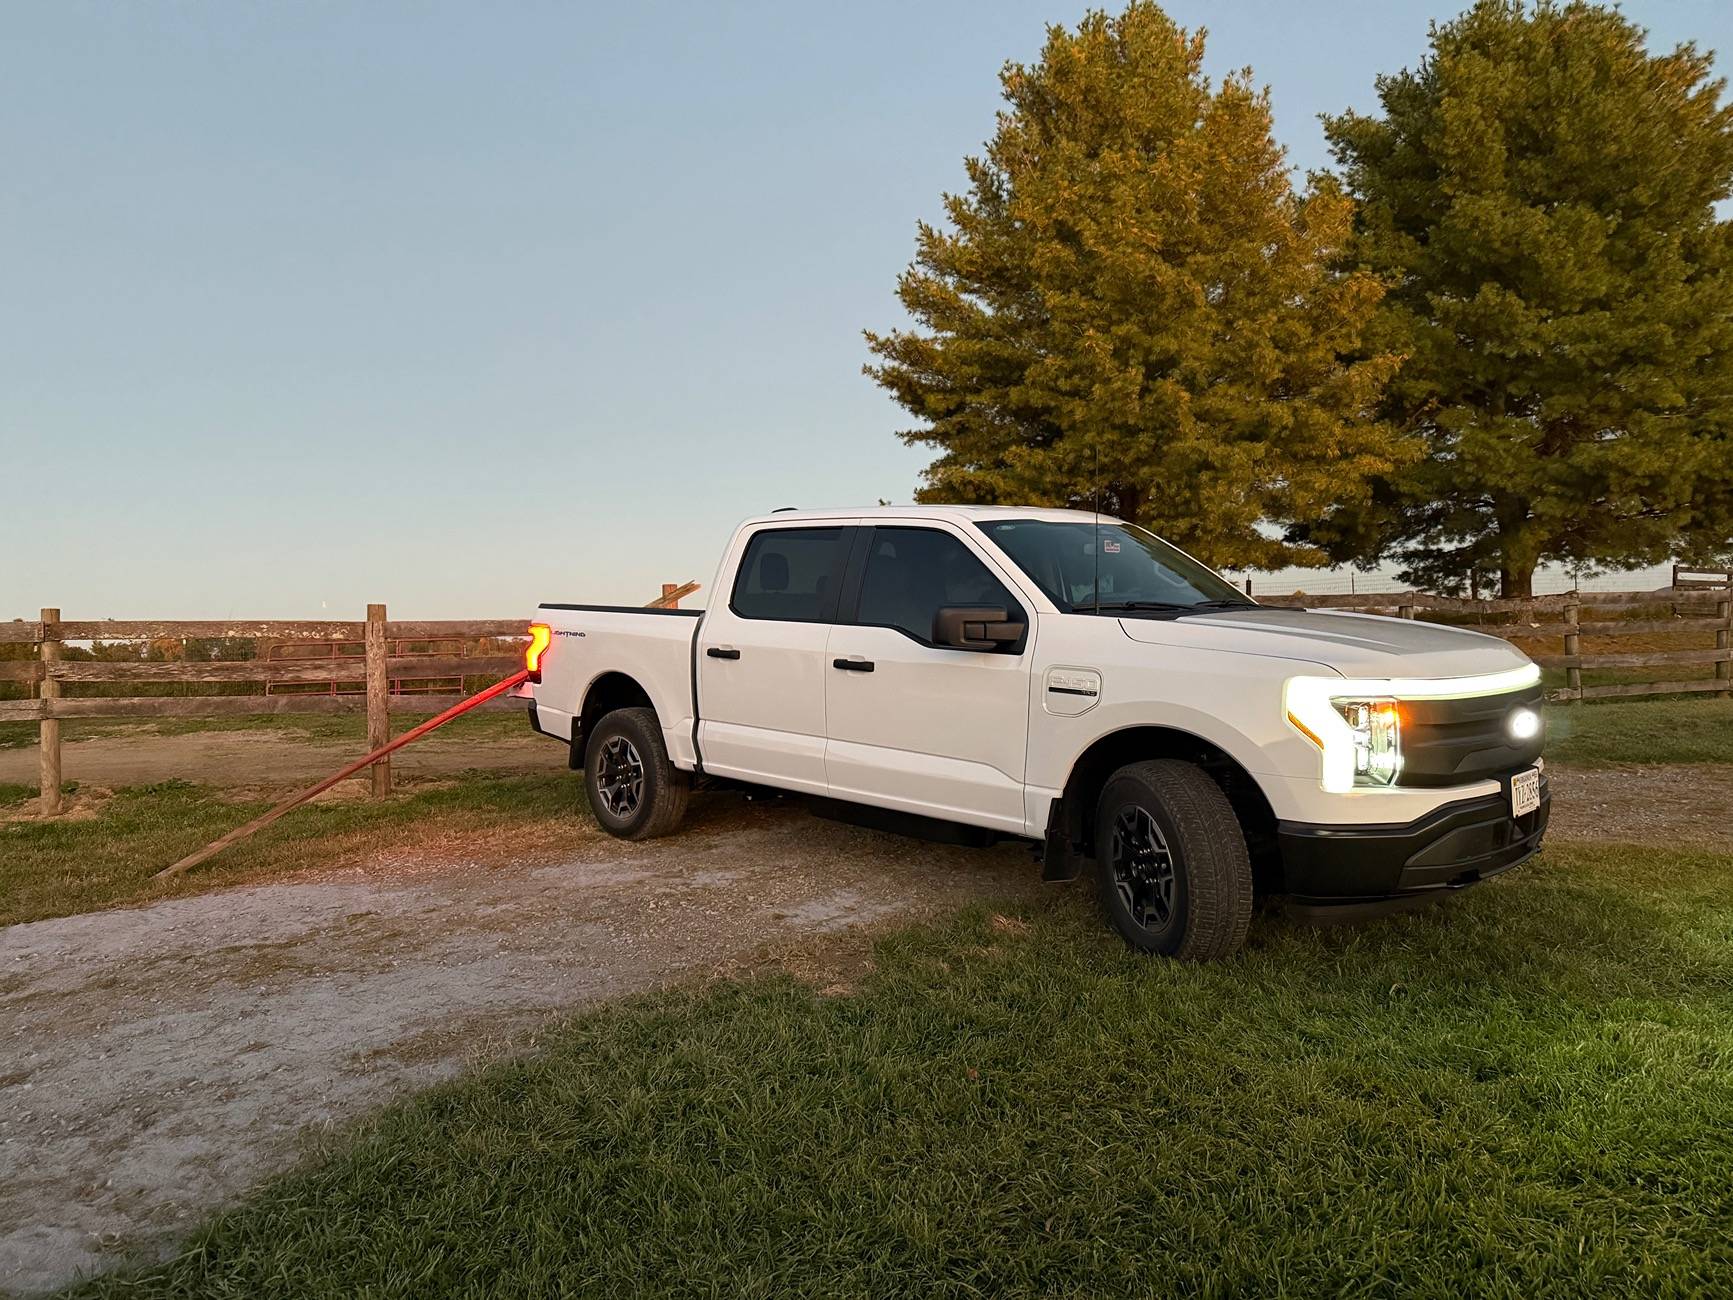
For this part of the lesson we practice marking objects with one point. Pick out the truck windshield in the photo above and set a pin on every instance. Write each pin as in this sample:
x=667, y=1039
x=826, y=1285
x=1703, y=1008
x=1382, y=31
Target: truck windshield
x=1137, y=572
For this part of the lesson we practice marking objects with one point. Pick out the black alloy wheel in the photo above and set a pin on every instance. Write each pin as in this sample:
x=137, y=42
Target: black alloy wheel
x=1142, y=867
x=620, y=777
x=1173, y=871
x=635, y=792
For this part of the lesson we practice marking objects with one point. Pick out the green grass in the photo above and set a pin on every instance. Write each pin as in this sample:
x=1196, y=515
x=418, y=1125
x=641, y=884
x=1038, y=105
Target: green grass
x=1527, y=1091
x=67, y=865
x=1611, y=732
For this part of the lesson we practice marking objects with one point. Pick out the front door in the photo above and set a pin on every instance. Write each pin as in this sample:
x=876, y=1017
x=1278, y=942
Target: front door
x=914, y=726
x=761, y=665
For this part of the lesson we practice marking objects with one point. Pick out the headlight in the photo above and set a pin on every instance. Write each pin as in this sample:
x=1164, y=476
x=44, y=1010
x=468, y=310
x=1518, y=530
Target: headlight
x=1360, y=736
x=1377, y=728
x=1357, y=724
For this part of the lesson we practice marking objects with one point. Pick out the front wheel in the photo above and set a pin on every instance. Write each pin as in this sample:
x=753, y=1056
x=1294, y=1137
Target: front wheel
x=1174, y=873
x=635, y=792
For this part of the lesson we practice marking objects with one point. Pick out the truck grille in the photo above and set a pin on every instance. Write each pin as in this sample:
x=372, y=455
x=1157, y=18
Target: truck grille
x=1453, y=742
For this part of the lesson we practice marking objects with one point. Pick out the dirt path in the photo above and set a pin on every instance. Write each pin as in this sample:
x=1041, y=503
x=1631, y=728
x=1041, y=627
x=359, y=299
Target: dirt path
x=266, y=758
x=1681, y=804
x=159, y=1060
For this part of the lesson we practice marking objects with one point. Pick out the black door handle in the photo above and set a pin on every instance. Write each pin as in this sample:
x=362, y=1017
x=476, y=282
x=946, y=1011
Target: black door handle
x=853, y=665
x=719, y=652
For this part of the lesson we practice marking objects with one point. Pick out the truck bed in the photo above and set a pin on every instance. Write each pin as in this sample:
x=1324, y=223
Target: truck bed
x=652, y=647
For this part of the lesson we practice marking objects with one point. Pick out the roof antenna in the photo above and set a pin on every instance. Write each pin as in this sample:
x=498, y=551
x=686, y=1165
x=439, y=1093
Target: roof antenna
x=1096, y=548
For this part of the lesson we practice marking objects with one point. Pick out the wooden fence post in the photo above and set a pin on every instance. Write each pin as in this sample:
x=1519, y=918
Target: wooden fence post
x=1573, y=646
x=378, y=697
x=1723, y=639
x=48, y=741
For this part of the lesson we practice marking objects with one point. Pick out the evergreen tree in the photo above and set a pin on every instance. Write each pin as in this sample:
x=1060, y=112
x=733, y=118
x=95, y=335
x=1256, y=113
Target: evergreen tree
x=1131, y=297
x=1539, y=195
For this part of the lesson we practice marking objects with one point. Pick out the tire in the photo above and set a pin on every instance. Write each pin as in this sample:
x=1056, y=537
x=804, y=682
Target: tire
x=635, y=792
x=1165, y=831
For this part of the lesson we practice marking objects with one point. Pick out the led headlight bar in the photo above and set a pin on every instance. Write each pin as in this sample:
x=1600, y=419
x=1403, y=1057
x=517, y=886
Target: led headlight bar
x=1356, y=723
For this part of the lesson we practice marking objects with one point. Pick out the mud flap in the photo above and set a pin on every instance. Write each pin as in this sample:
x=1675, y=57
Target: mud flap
x=1060, y=860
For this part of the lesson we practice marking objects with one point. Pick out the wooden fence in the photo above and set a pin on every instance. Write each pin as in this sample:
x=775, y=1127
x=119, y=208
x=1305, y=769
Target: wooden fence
x=371, y=672
x=1666, y=619
x=1695, y=577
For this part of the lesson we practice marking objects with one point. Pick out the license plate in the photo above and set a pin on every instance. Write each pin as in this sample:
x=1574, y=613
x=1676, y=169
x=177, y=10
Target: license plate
x=1525, y=792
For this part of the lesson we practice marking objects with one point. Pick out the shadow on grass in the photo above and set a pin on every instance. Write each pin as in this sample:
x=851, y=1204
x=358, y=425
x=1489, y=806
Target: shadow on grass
x=1525, y=1091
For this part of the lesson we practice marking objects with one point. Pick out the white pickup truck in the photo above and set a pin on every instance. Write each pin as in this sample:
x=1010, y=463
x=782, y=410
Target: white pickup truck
x=983, y=672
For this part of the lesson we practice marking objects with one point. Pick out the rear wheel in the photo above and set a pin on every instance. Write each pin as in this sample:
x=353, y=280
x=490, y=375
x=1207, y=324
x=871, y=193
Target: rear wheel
x=635, y=792
x=1175, y=876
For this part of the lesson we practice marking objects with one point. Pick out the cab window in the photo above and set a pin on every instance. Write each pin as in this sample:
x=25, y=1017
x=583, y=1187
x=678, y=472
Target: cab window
x=912, y=573
x=790, y=574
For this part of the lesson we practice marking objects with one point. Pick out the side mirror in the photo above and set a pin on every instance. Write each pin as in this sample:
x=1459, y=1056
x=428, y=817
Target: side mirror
x=976, y=627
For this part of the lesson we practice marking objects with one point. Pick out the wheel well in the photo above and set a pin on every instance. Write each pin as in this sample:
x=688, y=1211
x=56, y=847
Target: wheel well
x=1135, y=744
x=608, y=692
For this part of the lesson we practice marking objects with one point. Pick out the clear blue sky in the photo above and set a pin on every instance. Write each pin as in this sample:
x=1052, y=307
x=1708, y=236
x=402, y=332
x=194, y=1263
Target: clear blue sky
x=463, y=306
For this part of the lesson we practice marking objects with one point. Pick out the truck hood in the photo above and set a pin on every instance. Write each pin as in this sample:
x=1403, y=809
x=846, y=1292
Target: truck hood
x=1355, y=645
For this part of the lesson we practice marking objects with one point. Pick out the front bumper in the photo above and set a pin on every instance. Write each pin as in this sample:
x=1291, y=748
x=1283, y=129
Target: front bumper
x=1449, y=848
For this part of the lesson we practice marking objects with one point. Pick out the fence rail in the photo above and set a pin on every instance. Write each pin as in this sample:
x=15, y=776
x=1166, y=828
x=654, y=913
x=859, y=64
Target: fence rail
x=1702, y=608
x=1699, y=576
x=384, y=661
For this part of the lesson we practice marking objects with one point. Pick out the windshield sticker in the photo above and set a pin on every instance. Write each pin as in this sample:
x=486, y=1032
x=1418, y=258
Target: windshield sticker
x=1110, y=546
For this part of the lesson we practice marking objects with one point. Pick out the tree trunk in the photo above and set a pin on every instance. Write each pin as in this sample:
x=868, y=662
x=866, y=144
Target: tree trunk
x=1515, y=582
x=1128, y=502
x=1516, y=547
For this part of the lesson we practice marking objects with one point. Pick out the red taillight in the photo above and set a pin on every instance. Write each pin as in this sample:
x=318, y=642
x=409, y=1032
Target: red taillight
x=541, y=636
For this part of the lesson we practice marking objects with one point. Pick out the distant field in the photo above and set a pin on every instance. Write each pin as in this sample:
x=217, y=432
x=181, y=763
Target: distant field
x=318, y=727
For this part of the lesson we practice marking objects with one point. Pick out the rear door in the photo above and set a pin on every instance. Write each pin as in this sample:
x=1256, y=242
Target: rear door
x=761, y=669
x=912, y=725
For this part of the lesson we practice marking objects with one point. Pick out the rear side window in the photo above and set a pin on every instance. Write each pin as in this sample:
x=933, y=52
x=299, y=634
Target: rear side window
x=912, y=573
x=791, y=575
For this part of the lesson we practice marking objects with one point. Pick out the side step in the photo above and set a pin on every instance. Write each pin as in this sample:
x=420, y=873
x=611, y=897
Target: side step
x=932, y=829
